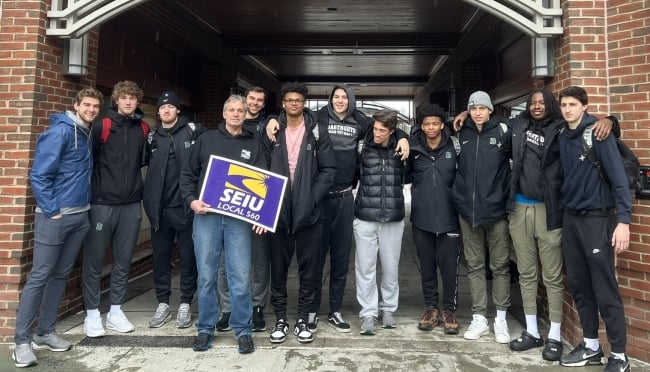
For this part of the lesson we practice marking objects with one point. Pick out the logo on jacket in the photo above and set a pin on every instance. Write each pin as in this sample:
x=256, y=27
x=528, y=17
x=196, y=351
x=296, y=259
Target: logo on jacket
x=99, y=226
x=245, y=154
x=448, y=155
x=244, y=189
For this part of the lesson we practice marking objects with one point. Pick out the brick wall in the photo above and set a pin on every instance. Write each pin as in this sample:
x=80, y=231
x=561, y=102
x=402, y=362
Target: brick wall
x=606, y=49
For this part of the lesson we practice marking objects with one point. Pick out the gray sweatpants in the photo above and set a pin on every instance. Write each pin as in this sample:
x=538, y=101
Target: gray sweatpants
x=120, y=226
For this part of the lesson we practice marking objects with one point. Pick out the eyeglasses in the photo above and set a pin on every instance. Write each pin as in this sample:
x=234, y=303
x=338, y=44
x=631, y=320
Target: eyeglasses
x=294, y=101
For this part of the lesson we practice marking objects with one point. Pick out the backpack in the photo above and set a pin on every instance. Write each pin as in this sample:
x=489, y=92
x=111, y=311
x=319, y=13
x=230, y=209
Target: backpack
x=106, y=129
x=631, y=163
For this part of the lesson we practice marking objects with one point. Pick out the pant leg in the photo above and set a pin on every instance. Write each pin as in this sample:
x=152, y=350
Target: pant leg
x=237, y=251
x=549, y=244
x=74, y=229
x=261, y=270
x=340, y=249
x=522, y=230
x=426, y=247
x=365, y=266
x=282, y=244
x=308, y=257
x=390, y=249
x=222, y=287
x=474, y=248
x=189, y=274
x=125, y=238
x=51, y=251
x=328, y=214
x=208, y=247
x=102, y=223
x=448, y=259
x=162, y=242
x=498, y=240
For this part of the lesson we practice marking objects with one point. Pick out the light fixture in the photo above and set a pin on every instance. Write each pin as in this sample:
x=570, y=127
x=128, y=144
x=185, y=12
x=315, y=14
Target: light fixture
x=542, y=57
x=75, y=56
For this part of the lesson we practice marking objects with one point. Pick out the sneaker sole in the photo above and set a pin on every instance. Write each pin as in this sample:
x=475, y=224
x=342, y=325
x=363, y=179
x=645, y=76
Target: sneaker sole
x=342, y=330
x=36, y=346
x=367, y=333
x=486, y=332
x=22, y=365
x=277, y=340
x=425, y=328
x=123, y=330
x=593, y=361
x=451, y=331
x=94, y=335
x=183, y=325
x=388, y=326
x=158, y=325
x=262, y=329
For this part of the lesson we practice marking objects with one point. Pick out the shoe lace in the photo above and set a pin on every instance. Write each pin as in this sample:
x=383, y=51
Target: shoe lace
x=450, y=318
x=183, y=311
x=160, y=311
x=428, y=315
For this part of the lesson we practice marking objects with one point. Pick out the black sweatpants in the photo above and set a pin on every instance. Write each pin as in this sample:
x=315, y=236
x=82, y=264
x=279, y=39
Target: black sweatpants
x=306, y=244
x=443, y=252
x=589, y=259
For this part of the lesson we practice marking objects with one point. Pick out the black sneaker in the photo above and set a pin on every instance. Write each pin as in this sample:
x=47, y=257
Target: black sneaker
x=336, y=321
x=301, y=330
x=312, y=322
x=617, y=365
x=552, y=350
x=582, y=356
x=223, y=324
x=279, y=332
x=245, y=343
x=202, y=341
x=526, y=342
x=259, y=324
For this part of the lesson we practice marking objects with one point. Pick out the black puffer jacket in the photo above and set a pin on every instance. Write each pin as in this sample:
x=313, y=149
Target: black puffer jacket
x=482, y=183
x=117, y=178
x=551, y=167
x=432, y=174
x=181, y=137
x=380, y=196
x=313, y=176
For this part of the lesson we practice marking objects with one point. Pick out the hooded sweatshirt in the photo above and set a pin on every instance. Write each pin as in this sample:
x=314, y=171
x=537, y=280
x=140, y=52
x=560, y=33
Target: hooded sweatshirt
x=60, y=176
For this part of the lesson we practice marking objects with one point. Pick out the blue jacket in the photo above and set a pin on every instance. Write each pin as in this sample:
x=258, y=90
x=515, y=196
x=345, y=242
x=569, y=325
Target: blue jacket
x=60, y=176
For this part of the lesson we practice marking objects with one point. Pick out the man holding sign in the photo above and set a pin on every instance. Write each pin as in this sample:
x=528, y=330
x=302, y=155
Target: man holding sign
x=223, y=232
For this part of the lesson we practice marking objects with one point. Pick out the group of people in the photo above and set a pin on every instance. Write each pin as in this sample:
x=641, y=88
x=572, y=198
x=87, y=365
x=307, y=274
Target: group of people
x=548, y=203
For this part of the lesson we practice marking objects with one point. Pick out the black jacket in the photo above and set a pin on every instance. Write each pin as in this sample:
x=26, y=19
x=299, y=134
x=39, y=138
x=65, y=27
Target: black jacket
x=550, y=167
x=482, y=183
x=117, y=178
x=582, y=185
x=432, y=174
x=313, y=177
x=379, y=197
x=245, y=148
x=180, y=137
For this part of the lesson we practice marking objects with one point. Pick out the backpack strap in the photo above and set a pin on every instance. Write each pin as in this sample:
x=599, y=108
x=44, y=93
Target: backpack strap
x=191, y=127
x=456, y=143
x=145, y=128
x=588, y=151
x=106, y=129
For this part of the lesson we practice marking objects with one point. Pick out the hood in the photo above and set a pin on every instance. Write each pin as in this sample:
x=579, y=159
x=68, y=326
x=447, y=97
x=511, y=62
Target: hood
x=352, y=101
x=586, y=121
x=70, y=119
x=245, y=132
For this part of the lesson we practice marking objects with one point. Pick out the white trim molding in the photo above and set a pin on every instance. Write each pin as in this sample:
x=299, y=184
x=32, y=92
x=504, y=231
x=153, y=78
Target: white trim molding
x=73, y=18
x=536, y=18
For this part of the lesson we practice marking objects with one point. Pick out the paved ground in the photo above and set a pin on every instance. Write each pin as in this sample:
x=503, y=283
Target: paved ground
x=402, y=349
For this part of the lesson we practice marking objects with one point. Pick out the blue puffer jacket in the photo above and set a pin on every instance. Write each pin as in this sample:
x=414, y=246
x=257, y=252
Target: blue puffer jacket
x=60, y=176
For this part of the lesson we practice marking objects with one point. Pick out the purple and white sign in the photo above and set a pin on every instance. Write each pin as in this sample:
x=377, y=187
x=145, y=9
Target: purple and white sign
x=244, y=192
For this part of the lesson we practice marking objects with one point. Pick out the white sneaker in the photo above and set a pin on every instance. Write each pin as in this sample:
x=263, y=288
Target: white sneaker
x=93, y=327
x=479, y=327
x=118, y=322
x=501, y=332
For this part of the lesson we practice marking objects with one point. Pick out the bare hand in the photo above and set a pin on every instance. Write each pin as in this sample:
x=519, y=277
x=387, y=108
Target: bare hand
x=199, y=207
x=621, y=238
x=458, y=120
x=403, y=148
x=272, y=128
x=603, y=128
x=258, y=230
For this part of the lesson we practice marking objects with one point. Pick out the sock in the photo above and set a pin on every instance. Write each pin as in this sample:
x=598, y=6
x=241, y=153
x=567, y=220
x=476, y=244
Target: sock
x=554, y=332
x=93, y=313
x=501, y=314
x=620, y=356
x=115, y=309
x=592, y=343
x=531, y=325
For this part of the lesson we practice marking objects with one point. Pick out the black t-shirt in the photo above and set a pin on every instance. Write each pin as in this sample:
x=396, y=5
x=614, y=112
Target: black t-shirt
x=171, y=196
x=530, y=181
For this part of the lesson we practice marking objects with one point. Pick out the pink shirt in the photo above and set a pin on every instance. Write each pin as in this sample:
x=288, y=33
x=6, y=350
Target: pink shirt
x=294, y=140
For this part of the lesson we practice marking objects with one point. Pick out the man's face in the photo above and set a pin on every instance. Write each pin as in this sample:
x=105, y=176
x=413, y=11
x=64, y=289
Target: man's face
x=168, y=113
x=234, y=114
x=293, y=103
x=87, y=110
x=432, y=127
x=255, y=102
x=572, y=111
x=127, y=104
x=480, y=114
x=381, y=134
x=340, y=102
x=537, y=107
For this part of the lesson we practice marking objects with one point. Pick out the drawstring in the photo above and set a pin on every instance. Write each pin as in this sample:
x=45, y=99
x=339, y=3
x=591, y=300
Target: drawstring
x=534, y=219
